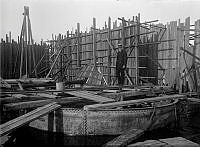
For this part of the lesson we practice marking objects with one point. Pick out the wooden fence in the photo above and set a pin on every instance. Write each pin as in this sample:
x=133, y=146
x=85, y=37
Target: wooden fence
x=10, y=52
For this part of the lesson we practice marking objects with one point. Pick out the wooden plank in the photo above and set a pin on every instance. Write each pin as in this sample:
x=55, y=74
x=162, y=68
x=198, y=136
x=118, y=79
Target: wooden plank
x=109, y=52
x=26, y=105
x=24, y=119
x=78, y=46
x=194, y=100
x=87, y=95
x=125, y=103
x=191, y=54
x=47, y=95
x=125, y=138
x=22, y=99
x=94, y=45
x=137, y=49
x=149, y=143
x=38, y=103
x=125, y=94
x=179, y=141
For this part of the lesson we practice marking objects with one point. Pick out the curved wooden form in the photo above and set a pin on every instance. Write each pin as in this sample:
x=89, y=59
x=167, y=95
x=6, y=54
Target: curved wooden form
x=71, y=121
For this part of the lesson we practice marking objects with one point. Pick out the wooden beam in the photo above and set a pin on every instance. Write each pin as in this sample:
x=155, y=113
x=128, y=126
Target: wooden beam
x=25, y=119
x=54, y=63
x=87, y=95
x=125, y=138
x=94, y=45
x=38, y=103
x=109, y=52
x=123, y=33
x=137, y=49
x=78, y=46
x=167, y=49
x=15, y=99
x=130, y=102
x=123, y=94
x=26, y=105
x=191, y=54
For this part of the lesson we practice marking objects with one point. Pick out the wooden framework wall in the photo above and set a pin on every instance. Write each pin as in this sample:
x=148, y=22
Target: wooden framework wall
x=98, y=46
x=176, y=62
x=154, y=51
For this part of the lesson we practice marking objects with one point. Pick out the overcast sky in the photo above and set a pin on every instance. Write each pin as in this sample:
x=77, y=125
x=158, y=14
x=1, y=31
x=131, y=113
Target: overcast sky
x=58, y=16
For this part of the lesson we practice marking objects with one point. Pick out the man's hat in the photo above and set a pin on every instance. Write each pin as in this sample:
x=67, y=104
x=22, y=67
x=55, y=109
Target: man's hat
x=119, y=44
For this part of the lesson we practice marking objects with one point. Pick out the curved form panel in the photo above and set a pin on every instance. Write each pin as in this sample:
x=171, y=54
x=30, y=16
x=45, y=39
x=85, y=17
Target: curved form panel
x=72, y=121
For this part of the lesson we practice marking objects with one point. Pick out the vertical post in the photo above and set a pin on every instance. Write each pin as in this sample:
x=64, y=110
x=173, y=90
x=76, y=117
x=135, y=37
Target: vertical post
x=137, y=49
x=25, y=40
x=123, y=33
x=178, y=56
x=94, y=42
x=78, y=46
x=59, y=83
x=22, y=44
x=61, y=60
x=188, y=58
x=31, y=45
x=69, y=55
x=11, y=57
x=181, y=61
x=109, y=52
x=25, y=36
x=197, y=53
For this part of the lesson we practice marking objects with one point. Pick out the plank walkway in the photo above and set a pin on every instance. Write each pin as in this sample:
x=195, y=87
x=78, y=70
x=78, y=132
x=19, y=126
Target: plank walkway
x=125, y=103
x=125, y=138
x=26, y=118
x=89, y=96
x=168, y=142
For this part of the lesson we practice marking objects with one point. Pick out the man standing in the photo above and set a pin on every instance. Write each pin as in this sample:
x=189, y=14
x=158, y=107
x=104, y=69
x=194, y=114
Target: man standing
x=121, y=63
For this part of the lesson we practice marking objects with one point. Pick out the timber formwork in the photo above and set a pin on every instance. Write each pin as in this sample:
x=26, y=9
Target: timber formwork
x=154, y=50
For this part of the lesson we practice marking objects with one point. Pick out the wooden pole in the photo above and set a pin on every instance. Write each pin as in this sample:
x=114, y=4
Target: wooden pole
x=94, y=42
x=10, y=58
x=109, y=52
x=61, y=61
x=137, y=49
x=78, y=46
x=31, y=44
x=25, y=36
x=22, y=45
x=197, y=53
x=180, y=39
x=123, y=33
